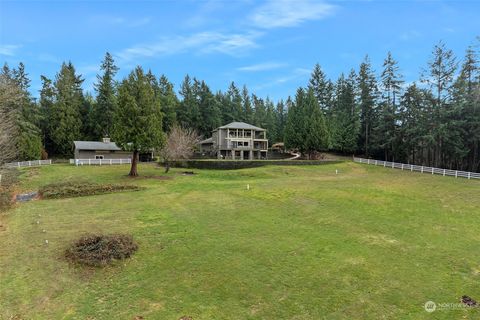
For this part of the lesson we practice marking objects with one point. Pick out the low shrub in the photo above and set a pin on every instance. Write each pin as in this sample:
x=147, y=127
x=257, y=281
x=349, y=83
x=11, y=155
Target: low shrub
x=243, y=164
x=100, y=250
x=79, y=189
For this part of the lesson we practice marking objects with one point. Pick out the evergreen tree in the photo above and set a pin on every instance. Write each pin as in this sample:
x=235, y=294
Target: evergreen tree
x=385, y=131
x=260, y=115
x=322, y=89
x=248, y=114
x=466, y=114
x=368, y=91
x=209, y=110
x=271, y=122
x=235, y=104
x=47, y=100
x=106, y=98
x=65, y=117
x=295, y=126
x=26, y=114
x=439, y=76
x=169, y=103
x=188, y=112
x=345, y=120
x=138, y=117
x=318, y=136
x=280, y=115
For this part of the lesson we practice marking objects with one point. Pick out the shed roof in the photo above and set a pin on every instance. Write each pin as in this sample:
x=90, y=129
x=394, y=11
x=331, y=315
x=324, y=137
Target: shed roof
x=240, y=125
x=96, y=145
x=206, y=141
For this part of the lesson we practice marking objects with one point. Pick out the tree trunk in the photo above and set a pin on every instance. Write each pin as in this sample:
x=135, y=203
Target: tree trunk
x=133, y=169
x=167, y=166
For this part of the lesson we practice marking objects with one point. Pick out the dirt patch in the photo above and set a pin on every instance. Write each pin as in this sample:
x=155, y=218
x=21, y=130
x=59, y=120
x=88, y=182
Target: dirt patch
x=185, y=318
x=80, y=189
x=469, y=301
x=188, y=173
x=100, y=250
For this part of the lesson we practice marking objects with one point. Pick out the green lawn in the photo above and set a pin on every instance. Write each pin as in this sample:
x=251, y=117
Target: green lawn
x=302, y=243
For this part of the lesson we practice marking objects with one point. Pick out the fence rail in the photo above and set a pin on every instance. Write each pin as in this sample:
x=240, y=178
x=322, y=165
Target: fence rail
x=99, y=162
x=34, y=163
x=422, y=169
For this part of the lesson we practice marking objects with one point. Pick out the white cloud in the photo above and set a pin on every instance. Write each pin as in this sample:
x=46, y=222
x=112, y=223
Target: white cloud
x=410, y=35
x=204, y=42
x=119, y=21
x=262, y=67
x=8, y=49
x=289, y=13
x=294, y=75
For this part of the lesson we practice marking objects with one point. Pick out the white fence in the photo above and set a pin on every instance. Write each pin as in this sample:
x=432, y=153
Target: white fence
x=99, y=162
x=422, y=169
x=34, y=163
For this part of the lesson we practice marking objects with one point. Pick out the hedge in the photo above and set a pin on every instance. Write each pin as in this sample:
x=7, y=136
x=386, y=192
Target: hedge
x=242, y=164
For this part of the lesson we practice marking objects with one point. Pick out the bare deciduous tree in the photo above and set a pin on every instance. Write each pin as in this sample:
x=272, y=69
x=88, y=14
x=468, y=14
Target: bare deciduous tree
x=180, y=144
x=10, y=99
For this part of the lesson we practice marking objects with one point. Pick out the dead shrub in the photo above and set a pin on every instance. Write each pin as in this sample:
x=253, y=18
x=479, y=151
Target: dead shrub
x=99, y=250
x=80, y=189
x=9, y=179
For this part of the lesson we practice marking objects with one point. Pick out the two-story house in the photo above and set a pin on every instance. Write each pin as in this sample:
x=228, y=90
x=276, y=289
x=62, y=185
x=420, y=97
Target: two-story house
x=237, y=141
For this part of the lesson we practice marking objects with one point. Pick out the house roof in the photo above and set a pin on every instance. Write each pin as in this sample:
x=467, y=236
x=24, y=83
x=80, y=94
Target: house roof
x=240, y=125
x=96, y=145
x=209, y=140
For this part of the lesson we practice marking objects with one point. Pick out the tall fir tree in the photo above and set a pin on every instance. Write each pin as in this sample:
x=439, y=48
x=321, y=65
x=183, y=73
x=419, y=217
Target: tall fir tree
x=318, y=135
x=295, y=125
x=65, y=117
x=169, y=103
x=385, y=131
x=368, y=94
x=439, y=76
x=280, y=115
x=235, y=104
x=345, y=119
x=248, y=114
x=209, y=110
x=106, y=100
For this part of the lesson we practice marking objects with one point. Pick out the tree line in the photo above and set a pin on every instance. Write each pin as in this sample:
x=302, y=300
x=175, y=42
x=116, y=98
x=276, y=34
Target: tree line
x=434, y=121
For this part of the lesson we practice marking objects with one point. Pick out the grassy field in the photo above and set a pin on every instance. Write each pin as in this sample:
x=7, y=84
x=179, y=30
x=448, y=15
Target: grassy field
x=302, y=243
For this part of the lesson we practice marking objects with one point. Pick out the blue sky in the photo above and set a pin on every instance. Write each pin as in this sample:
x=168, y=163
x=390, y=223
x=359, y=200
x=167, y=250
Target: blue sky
x=271, y=46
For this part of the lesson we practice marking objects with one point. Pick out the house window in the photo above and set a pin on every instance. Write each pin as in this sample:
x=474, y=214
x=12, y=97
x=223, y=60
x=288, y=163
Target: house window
x=97, y=157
